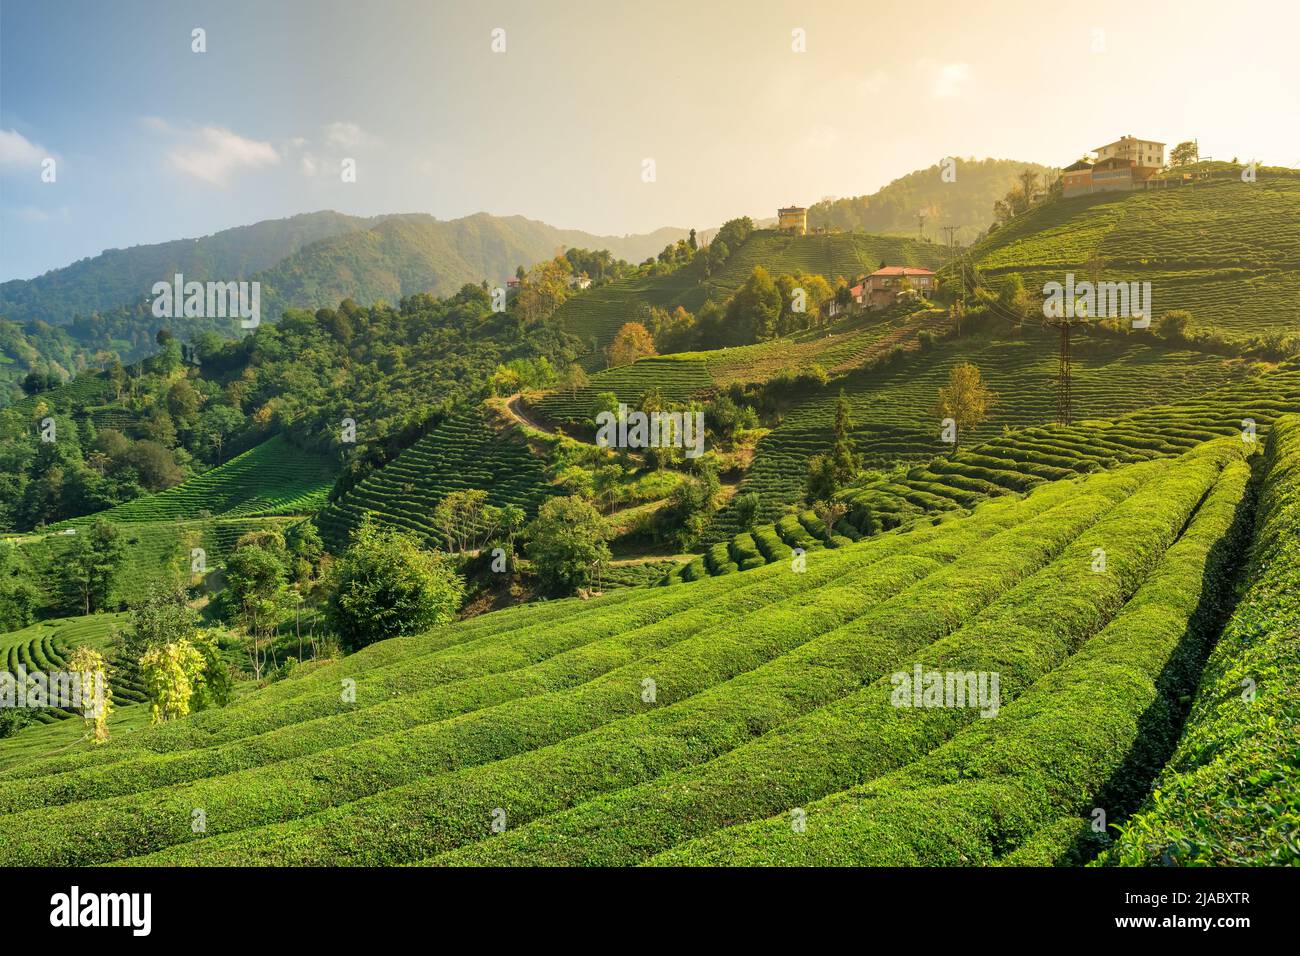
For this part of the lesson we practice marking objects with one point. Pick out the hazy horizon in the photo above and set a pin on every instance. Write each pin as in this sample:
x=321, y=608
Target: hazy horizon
x=739, y=112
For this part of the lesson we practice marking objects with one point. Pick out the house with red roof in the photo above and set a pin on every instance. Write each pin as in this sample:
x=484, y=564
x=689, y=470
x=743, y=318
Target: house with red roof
x=882, y=288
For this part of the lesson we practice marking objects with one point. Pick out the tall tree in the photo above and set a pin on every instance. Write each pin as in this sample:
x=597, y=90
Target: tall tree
x=632, y=342
x=965, y=399
x=94, y=563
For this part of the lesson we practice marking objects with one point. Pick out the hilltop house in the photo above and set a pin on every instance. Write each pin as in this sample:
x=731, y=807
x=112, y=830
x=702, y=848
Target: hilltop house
x=792, y=219
x=1122, y=165
x=882, y=287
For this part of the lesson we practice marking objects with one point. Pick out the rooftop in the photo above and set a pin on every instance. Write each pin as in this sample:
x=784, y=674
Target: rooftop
x=901, y=271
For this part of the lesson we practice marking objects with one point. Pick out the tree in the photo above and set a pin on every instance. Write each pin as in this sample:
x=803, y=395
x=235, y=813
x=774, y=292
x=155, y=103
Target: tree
x=746, y=510
x=691, y=504
x=465, y=518
x=257, y=589
x=573, y=379
x=385, y=585
x=632, y=342
x=827, y=474
x=830, y=512
x=96, y=705
x=155, y=464
x=94, y=562
x=170, y=672
x=754, y=311
x=543, y=290
x=965, y=399
x=163, y=617
x=567, y=544
x=1184, y=154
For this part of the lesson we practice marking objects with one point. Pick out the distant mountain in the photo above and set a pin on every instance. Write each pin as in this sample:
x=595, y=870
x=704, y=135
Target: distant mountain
x=122, y=276
x=966, y=202
x=417, y=253
x=315, y=259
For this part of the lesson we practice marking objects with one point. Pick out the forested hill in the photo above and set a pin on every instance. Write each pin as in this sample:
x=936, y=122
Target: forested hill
x=314, y=260
x=416, y=253
x=118, y=277
x=966, y=202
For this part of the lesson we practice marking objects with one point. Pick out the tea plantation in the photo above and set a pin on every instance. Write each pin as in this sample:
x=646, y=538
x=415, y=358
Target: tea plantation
x=1224, y=249
x=771, y=692
x=464, y=452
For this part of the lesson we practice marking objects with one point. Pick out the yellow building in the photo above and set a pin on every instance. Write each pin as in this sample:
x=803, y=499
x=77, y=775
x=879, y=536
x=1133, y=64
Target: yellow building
x=793, y=219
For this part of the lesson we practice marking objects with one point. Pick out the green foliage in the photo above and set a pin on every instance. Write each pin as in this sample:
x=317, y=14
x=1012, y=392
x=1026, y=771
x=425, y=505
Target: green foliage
x=566, y=545
x=967, y=200
x=1227, y=797
x=170, y=673
x=385, y=585
x=93, y=563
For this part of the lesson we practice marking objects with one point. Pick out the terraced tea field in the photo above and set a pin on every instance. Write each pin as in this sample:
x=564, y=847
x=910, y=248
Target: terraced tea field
x=892, y=408
x=47, y=646
x=1010, y=464
x=1227, y=796
x=771, y=692
x=464, y=452
x=272, y=479
x=851, y=343
x=1225, y=250
x=680, y=378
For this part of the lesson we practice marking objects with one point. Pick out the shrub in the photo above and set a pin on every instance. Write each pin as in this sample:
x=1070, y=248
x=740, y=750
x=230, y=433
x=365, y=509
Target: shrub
x=386, y=585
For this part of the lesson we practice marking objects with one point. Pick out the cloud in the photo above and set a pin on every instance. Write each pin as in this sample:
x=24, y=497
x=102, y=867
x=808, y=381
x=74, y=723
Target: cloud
x=343, y=135
x=17, y=151
x=213, y=153
x=946, y=79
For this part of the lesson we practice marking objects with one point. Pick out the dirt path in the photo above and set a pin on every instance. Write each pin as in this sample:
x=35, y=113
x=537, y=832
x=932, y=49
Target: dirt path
x=513, y=406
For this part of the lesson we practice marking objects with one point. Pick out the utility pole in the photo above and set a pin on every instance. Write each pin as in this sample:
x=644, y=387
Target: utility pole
x=920, y=225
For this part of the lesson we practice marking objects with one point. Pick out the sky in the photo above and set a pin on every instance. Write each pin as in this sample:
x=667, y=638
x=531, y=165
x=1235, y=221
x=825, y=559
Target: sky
x=560, y=110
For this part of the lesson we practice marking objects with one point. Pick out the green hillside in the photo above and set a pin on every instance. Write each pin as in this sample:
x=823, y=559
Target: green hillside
x=274, y=478
x=597, y=314
x=315, y=260
x=1225, y=250
x=772, y=691
x=464, y=452
x=404, y=255
x=119, y=276
x=892, y=407
x=156, y=551
x=964, y=201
